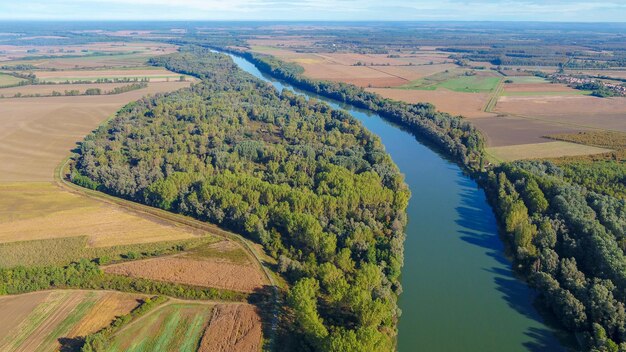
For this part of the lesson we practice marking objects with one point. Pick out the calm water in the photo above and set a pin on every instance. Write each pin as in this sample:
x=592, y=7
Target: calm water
x=459, y=290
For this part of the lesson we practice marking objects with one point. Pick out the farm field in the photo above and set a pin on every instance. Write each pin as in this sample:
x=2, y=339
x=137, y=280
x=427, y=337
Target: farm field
x=48, y=89
x=454, y=81
x=576, y=111
x=469, y=105
x=364, y=70
x=222, y=265
x=38, y=133
x=619, y=74
x=37, y=211
x=8, y=80
x=106, y=54
x=513, y=130
x=37, y=321
x=233, y=327
x=542, y=150
x=176, y=326
x=153, y=74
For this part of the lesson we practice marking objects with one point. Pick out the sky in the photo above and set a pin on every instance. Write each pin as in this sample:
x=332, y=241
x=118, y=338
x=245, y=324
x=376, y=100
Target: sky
x=328, y=10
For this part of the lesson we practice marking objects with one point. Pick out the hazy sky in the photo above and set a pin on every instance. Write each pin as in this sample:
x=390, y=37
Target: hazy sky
x=524, y=10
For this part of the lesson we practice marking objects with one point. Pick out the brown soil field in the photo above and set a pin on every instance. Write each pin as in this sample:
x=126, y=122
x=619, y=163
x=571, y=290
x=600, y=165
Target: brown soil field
x=542, y=150
x=537, y=87
x=467, y=104
x=47, y=89
x=208, y=272
x=511, y=130
x=575, y=111
x=36, y=134
x=233, y=327
x=34, y=211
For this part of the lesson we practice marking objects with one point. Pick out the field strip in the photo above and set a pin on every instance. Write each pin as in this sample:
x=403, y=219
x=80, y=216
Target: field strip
x=561, y=122
x=493, y=100
x=169, y=302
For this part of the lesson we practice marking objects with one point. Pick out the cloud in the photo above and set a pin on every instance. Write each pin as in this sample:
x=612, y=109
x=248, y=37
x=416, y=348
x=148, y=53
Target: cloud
x=555, y=10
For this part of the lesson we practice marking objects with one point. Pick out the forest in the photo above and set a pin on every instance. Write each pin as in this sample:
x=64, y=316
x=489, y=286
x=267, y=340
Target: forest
x=569, y=241
x=455, y=137
x=309, y=183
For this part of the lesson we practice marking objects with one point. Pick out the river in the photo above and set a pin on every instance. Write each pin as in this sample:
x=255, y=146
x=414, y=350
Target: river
x=459, y=291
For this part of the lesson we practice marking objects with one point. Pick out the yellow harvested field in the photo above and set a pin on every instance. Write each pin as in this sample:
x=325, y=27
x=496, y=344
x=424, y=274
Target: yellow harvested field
x=456, y=103
x=107, y=308
x=542, y=150
x=34, y=211
x=36, y=134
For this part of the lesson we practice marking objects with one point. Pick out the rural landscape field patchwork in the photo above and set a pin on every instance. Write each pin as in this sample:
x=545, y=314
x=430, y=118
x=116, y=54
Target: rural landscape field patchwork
x=315, y=186
x=47, y=222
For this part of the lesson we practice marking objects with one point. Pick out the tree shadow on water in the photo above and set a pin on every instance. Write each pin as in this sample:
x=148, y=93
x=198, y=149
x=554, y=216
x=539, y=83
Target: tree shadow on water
x=479, y=228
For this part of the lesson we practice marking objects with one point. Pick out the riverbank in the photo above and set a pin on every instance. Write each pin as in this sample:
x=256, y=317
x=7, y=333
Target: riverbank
x=460, y=291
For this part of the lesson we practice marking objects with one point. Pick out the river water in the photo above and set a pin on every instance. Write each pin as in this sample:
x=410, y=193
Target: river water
x=459, y=291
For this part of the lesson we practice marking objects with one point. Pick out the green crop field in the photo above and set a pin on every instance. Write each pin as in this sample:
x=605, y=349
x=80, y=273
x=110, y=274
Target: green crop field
x=8, y=80
x=455, y=81
x=525, y=79
x=174, y=327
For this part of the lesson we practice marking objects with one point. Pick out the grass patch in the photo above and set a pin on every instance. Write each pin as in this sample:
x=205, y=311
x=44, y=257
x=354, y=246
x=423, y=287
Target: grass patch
x=526, y=79
x=9, y=81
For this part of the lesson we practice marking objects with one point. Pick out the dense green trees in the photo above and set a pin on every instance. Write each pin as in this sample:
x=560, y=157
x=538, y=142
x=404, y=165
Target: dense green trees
x=313, y=186
x=456, y=137
x=569, y=241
